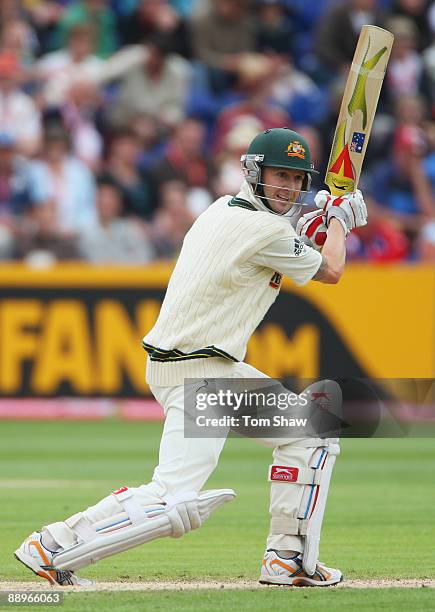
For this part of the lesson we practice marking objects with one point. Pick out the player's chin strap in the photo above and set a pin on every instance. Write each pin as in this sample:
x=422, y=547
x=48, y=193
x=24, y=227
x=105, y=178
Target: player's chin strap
x=261, y=202
x=315, y=479
x=295, y=207
x=174, y=516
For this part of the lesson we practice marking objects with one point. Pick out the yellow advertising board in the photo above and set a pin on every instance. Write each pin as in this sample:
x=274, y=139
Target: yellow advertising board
x=76, y=330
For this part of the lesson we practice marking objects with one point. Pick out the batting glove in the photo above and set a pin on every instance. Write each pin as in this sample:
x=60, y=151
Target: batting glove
x=349, y=209
x=312, y=226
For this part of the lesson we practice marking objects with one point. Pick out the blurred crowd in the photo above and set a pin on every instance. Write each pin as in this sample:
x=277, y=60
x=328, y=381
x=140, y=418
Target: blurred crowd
x=122, y=120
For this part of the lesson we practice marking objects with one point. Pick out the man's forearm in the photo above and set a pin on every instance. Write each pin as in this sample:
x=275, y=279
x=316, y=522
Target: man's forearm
x=334, y=248
x=333, y=254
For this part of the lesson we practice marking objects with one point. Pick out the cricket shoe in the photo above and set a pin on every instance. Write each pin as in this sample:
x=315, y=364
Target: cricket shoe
x=280, y=571
x=34, y=555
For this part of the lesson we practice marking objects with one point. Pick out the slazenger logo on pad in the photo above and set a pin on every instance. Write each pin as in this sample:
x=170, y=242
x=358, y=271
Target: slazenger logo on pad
x=283, y=473
x=120, y=490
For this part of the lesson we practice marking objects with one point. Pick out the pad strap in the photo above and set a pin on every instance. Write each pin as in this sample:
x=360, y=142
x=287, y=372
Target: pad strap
x=288, y=526
x=130, y=505
x=81, y=527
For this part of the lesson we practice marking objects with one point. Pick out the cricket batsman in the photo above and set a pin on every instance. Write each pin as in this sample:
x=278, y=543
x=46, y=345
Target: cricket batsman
x=226, y=278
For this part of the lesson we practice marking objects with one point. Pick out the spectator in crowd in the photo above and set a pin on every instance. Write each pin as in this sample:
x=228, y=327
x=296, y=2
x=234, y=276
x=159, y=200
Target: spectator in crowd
x=95, y=12
x=382, y=241
x=296, y=92
x=16, y=195
x=187, y=160
x=400, y=188
x=306, y=15
x=19, y=115
x=18, y=37
x=157, y=88
x=122, y=169
x=80, y=114
x=200, y=7
x=222, y=38
x=257, y=103
x=42, y=244
x=426, y=243
x=229, y=174
x=418, y=12
x=64, y=183
x=429, y=68
x=116, y=239
x=426, y=239
x=405, y=73
x=172, y=221
x=274, y=30
x=77, y=64
x=152, y=137
x=9, y=10
x=156, y=18
x=339, y=29
x=184, y=7
x=44, y=15
x=431, y=17
x=410, y=110
x=59, y=70
x=72, y=84
x=429, y=160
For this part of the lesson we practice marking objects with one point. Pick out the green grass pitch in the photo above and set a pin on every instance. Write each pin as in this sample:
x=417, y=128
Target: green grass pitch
x=380, y=520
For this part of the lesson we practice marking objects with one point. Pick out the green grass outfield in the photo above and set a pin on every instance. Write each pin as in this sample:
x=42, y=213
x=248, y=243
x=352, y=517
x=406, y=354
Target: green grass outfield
x=380, y=520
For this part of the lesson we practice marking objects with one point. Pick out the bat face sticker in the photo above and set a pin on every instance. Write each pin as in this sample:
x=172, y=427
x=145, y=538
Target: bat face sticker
x=342, y=174
x=358, y=99
x=343, y=185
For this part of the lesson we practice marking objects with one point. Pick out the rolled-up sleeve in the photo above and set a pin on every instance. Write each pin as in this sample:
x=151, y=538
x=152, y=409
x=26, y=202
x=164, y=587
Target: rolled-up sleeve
x=291, y=257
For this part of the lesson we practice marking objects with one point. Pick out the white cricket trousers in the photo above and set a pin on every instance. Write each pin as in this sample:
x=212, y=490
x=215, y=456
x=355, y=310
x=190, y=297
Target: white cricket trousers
x=185, y=464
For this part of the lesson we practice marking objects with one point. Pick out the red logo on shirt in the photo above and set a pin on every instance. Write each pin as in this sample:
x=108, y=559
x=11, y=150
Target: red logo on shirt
x=283, y=473
x=120, y=490
x=275, y=281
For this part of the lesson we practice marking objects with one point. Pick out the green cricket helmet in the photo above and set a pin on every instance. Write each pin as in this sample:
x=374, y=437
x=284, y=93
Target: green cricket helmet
x=278, y=148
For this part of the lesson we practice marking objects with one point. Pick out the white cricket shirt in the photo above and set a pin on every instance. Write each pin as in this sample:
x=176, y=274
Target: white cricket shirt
x=227, y=276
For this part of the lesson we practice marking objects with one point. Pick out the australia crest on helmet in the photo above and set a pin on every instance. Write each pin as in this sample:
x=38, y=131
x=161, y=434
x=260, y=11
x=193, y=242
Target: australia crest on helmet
x=296, y=149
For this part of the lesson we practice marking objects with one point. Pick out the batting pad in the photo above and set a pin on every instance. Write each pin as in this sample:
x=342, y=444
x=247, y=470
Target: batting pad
x=179, y=515
x=315, y=481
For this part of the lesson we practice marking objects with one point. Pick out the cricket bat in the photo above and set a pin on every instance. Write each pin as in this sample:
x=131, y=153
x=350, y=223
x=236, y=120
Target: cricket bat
x=358, y=109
